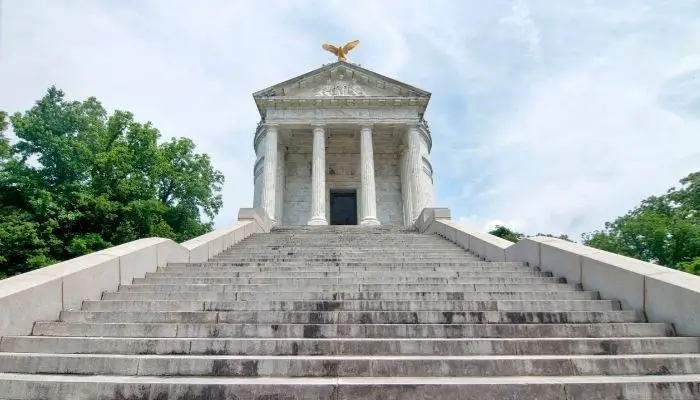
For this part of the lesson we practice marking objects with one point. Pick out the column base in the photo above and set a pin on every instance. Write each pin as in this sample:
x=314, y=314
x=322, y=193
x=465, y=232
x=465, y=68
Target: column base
x=369, y=221
x=317, y=221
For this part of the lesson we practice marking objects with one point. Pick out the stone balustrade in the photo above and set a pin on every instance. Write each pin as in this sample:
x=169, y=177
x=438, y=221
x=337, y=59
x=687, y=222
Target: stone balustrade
x=41, y=294
x=662, y=293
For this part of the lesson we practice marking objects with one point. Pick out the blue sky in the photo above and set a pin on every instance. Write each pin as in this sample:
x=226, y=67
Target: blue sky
x=547, y=116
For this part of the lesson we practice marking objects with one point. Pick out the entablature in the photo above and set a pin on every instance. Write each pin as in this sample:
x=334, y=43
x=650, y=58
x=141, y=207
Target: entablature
x=299, y=118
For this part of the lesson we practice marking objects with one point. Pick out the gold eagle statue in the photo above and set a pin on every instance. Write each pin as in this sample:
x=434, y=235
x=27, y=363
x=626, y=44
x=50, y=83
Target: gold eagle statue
x=341, y=51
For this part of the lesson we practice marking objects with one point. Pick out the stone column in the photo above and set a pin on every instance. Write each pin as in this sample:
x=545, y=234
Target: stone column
x=406, y=188
x=279, y=198
x=318, y=177
x=415, y=169
x=270, y=172
x=369, y=197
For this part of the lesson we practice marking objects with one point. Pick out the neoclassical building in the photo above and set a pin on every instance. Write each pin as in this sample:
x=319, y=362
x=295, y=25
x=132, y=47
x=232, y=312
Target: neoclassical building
x=342, y=145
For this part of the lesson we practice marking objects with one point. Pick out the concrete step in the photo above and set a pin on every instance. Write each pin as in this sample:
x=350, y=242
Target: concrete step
x=348, y=366
x=360, y=280
x=379, y=287
x=361, y=346
x=346, y=254
x=304, y=260
x=320, y=244
x=345, y=271
x=350, y=252
x=394, y=250
x=233, y=273
x=331, y=267
x=332, y=243
x=343, y=259
x=302, y=263
x=338, y=296
x=351, y=305
x=425, y=249
x=356, y=317
x=657, y=387
x=356, y=235
x=277, y=330
x=359, y=309
x=339, y=248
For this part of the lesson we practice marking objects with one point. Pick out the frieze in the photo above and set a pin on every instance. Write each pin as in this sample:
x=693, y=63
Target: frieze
x=342, y=113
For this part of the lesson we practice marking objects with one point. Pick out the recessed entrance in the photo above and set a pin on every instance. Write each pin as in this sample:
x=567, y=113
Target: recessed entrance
x=343, y=207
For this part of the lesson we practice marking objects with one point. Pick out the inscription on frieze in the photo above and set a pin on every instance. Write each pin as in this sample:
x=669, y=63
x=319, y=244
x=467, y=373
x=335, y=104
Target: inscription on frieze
x=341, y=113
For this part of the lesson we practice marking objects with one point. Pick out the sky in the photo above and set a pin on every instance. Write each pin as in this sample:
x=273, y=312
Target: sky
x=547, y=116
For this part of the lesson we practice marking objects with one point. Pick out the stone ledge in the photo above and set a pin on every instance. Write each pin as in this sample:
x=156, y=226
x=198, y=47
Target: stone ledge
x=663, y=294
x=41, y=294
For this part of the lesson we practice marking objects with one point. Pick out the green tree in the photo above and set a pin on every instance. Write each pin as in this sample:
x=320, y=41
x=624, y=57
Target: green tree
x=79, y=180
x=562, y=237
x=662, y=229
x=4, y=141
x=692, y=267
x=507, y=234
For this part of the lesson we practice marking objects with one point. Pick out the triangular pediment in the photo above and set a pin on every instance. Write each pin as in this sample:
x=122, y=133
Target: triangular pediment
x=341, y=80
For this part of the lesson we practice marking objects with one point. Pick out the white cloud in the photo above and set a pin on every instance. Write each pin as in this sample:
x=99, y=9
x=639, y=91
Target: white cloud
x=546, y=116
x=586, y=143
x=527, y=29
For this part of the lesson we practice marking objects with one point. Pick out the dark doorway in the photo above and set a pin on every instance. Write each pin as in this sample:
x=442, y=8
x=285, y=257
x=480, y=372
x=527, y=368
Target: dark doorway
x=343, y=207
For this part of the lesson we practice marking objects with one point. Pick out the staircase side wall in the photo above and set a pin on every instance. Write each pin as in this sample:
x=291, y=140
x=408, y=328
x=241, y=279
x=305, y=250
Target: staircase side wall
x=663, y=294
x=41, y=295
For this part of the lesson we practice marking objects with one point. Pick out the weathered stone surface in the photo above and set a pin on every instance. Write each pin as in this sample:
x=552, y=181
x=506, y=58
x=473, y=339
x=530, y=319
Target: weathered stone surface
x=342, y=172
x=291, y=314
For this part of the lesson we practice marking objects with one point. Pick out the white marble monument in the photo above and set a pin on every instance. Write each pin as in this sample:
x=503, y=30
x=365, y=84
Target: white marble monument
x=342, y=145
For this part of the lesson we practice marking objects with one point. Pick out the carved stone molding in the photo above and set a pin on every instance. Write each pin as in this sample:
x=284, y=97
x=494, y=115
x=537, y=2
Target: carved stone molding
x=330, y=114
x=340, y=87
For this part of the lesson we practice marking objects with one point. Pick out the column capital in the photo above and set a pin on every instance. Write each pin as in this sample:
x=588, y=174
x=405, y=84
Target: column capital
x=271, y=125
x=318, y=129
x=366, y=125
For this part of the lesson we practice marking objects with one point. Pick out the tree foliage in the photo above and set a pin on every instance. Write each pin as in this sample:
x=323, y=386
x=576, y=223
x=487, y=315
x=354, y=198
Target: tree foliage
x=562, y=236
x=507, y=234
x=663, y=229
x=513, y=236
x=79, y=179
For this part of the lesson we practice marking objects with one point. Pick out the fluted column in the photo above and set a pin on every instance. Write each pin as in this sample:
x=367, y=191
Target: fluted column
x=406, y=188
x=279, y=198
x=415, y=169
x=270, y=172
x=369, y=197
x=318, y=177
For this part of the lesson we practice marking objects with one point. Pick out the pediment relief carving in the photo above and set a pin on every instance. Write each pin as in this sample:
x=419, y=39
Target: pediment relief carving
x=340, y=80
x=339, y=87
x=342, y=84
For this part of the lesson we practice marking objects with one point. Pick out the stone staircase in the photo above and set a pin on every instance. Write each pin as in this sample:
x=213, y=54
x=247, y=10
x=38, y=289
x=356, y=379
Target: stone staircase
x=349, y=313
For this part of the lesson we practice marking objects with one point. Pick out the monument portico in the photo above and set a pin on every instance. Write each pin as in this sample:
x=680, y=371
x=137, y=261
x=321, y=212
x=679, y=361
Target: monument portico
x=342, y=145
